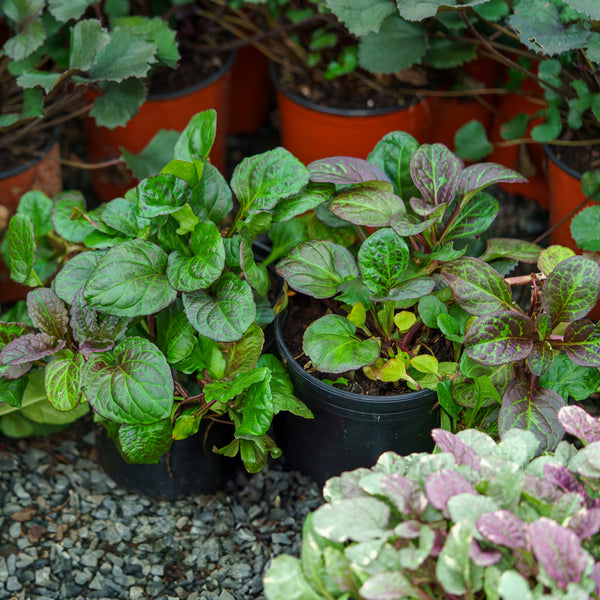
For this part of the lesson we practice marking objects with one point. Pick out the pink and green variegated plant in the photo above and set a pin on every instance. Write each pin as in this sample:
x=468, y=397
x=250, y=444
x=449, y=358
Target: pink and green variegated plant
x=535, y=360
x=476, y=519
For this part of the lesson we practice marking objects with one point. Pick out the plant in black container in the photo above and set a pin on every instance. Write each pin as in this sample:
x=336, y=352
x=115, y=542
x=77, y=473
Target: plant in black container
x=155, y=317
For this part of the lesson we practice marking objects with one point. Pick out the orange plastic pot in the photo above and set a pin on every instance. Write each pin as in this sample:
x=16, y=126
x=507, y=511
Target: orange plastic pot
x=160, y=111
x=311, y=132
x=565, y=195
x=251, y=94
x=42, y=174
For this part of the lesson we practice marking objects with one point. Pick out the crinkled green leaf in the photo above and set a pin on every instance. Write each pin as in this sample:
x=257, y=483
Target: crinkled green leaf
x=67, y=217
x=21, y=253
x=87, y=37
x=63, y=381
x=118, y=103
x=145, y=443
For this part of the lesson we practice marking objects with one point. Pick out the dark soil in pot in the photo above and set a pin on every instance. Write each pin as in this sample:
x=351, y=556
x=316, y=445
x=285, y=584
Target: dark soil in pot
x=303, y=310
x=580, y=158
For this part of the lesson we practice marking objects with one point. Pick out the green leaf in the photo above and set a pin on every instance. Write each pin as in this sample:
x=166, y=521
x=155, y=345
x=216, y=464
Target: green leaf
x=198, y=137
x=332, y=345
x=475, y=218
x=471, y=141
x=63, y=381
x=74, y=274
x=392, y=154
x=550, y=130
x=204, y=267
x=64, y=10
x=157, y=153
x=585, y=228
x=145, y=443
x=128, y=54
x=551, y=256
x=259, y=182
x=87, y=37
x=162, y=195
x=132, y=384
x=476, y=287
x=38, y=207
x=21, y=254
x=499, y=339
x=382, y=259
x=377, y=52
x=361, y=19
x=317, y=268
x=428, y=8
x=444, y=53
x=285, y=580
x=118, y=103
x=29, y=38
x=224, y=312
x=521, y=250
x=569, y=379
x=67, y=217
x=175, y=336
x=571, y=290
x=130, y=280
x=367, y=204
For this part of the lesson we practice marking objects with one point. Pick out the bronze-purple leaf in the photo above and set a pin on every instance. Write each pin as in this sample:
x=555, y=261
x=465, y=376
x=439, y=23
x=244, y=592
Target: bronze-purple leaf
x=436, y=172
x=481, y=175
x=582, y=343
x=504, y=528
x=30, y=347
x=344, y=170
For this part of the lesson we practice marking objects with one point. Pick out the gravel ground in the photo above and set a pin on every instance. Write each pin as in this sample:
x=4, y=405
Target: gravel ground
x=68, y=532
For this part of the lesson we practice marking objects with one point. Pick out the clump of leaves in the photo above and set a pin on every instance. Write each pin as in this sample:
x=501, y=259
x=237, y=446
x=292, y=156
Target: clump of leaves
x=474, y=519
x=155, y=318
x=422, y=208
x=531, y=362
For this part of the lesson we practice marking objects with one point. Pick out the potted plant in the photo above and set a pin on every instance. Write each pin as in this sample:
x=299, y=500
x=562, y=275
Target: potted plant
x=389, y=316
x=155, y=318
x=474, y=519
x=50, y=53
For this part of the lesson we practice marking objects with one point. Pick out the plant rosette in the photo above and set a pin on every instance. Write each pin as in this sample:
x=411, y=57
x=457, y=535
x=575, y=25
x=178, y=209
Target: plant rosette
x=528, y=363
x=473, y=519
x=155, y=318
x=424, y=209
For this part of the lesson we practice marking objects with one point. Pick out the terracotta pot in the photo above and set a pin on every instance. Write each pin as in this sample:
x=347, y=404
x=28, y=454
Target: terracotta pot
x=565, y=195
x=42, y=174
x=527, y=159
x=160, y=111
x=311, y=132
x=251, y=94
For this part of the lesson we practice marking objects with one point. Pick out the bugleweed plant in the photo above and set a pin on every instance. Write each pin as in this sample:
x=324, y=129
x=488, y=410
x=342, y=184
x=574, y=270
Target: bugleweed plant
x=535, y=359
x=474, y=519
x=416, y=208
x=155, y=315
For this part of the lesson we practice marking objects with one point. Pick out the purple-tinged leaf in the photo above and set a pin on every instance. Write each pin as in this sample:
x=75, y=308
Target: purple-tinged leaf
x=425, y=209
x=500, y=338
x=406, y=224
x=48, y=313
x=406, y=494
x=540, y=490
x=543, y=325
x=409, y=530
x=382, y=260
x=344, y=170
x=558, y=550
x=30, y=347
x=504, y=528
x=475, y=218
x=411, y=289
x=367, y=205
x=443, y=485
x=571, y=290
x=317, y=268
x=540, y=359
x=582, y=343
x=511, y=248
x=585, y=523
x=14, y=371
x=477, y=287
x=481, y=175
x=562, y=477
x=436, y=172
x=463, y=454
x=595, y=575
x=579, y=423
x=537, y=413
x=484, y=558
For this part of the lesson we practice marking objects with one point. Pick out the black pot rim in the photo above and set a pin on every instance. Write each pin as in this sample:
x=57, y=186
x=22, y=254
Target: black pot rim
x=332, y=110
x=350, y=401
x=202, y=84
x=34, y=161
x=559, y=163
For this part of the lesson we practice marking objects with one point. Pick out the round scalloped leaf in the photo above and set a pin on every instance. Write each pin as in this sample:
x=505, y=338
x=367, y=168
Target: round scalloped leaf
x=204, y=267
x=382, y=260
x=145, y=443
x=332, y=345
x=223, y=313
x=571, y=290
x=131, y=384
x=130, y=280
x=585, y=228
x=67, y=217
x=500, y=338
x=72, y=277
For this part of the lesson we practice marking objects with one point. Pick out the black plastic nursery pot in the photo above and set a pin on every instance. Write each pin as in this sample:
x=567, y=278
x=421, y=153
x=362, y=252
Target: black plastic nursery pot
x=349, y=430
x=190, y=468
